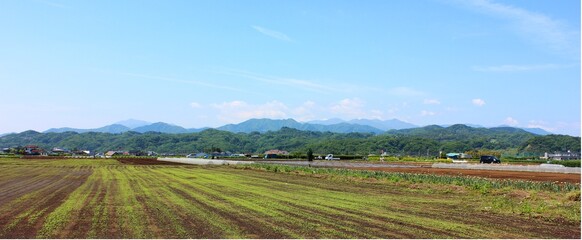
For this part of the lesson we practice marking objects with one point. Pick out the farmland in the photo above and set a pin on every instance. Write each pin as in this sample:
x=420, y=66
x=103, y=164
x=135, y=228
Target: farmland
x=113, y=199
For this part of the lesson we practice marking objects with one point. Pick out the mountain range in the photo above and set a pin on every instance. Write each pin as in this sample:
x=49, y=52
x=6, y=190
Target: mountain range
x=411, y=141
x=265, y=125
x=334, y=125
x=118, y=128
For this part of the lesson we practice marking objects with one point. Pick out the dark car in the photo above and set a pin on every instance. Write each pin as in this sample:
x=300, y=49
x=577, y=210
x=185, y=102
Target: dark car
x=489, y=159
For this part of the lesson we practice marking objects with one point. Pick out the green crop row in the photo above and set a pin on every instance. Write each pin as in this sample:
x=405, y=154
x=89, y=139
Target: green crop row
x=478, y=183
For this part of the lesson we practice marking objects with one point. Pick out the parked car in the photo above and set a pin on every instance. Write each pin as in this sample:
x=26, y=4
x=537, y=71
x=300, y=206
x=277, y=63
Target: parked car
x=330, y=157
x=489, y=159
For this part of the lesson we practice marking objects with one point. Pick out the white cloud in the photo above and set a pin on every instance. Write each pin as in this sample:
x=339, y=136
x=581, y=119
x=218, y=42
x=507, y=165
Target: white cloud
x=376, y=114
x=478, y=102
x=560, y=127
x=535, y=27
x=195, y=105
x=306, y=106
x=350, y=108
x=432, y=101
x=238, y=111
x=305, y=112
x=517, y=68
x=511, y=121
x=271, y=33
x=425, y=113
x=540, y=124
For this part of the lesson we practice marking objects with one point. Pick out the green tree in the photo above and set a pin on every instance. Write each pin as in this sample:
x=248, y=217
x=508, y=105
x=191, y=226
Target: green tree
x=309, y=155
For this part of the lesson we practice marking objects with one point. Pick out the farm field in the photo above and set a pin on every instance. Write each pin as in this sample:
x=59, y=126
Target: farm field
x=525, y=176
x=112, y=199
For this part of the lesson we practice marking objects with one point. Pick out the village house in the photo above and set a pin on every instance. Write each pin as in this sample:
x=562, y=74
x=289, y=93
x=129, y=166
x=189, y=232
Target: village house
x=32, y=150
x=60, y=151
x=110, y=154
x=275, y=153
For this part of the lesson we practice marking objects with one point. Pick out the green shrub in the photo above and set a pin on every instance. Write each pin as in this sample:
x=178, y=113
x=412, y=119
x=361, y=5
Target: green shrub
x=568, y=163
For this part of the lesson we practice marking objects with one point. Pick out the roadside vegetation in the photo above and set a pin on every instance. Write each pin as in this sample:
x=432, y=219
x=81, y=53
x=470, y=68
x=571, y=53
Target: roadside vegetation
x=105, y=198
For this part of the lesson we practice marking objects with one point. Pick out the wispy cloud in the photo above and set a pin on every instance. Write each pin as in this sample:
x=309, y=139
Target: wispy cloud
x=539, y=28
x=175, y=80
x=518, y=68
x=426, y=113
x=432, y=101
x=405, y=92
x=274, y=34
x=195, y=105
x=478, y=102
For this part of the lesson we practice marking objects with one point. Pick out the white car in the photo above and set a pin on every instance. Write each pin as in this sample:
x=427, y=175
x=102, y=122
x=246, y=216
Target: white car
x=330, y=157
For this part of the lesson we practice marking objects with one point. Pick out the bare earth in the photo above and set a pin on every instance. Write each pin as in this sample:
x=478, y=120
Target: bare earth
x=531, y=176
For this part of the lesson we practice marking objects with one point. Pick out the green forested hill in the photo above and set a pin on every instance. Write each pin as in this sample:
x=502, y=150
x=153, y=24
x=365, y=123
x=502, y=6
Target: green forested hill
x=418, y=141
x=551, y=143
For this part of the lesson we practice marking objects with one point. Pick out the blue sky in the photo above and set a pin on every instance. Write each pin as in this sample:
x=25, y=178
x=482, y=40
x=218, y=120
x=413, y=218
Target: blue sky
x=86, y=64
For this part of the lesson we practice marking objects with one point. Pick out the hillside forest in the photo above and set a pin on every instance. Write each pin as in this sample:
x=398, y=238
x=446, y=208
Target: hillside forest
x=426, y=141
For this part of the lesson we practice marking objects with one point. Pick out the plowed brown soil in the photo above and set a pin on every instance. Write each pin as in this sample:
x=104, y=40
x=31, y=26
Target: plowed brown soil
x=49, y=192
x=528, y=176
x=146, y=161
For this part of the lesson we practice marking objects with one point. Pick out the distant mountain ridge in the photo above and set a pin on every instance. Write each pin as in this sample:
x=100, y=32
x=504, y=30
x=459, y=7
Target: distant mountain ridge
x=413, y=141
x=119, y=128
x=165, y=128
x=383, y=125
x=133, y=123
x=537, y=131
x=265, y=125
x=114, y=128
x=4, y=134
x=335, y=125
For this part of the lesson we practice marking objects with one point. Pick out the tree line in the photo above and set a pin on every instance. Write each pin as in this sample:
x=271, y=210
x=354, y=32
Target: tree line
x=428, y=141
